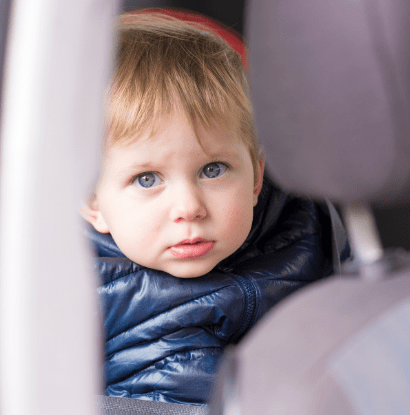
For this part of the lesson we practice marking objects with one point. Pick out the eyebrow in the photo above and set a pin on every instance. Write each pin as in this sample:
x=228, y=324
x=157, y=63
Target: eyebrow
x=133, y=168
x=223, y=154
x=142, y=166
x=212, y=156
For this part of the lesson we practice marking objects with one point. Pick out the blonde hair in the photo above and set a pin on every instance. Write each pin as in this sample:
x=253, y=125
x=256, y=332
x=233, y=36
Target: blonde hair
x=161, y=61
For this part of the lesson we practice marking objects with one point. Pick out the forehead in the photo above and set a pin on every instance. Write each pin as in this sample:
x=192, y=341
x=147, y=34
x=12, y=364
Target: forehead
x=174, y=134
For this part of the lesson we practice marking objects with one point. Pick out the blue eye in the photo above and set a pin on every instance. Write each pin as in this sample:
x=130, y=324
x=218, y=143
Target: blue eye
x=213, y=170
x=147, y=180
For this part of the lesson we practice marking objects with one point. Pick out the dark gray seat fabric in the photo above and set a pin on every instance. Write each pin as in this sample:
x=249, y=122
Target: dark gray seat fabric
x=4, y=17
x=109, y=405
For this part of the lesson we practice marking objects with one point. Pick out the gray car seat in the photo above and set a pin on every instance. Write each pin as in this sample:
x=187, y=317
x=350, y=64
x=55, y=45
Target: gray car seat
x=331, y=84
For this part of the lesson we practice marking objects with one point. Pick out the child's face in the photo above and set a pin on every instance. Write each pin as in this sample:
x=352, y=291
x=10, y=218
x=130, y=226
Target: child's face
x=172, y=207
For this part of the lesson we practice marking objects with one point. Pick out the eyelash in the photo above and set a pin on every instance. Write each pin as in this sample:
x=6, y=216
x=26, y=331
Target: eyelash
x=222, y=166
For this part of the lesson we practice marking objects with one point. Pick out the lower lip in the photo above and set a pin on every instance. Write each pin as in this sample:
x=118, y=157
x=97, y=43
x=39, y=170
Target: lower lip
x=185, y=251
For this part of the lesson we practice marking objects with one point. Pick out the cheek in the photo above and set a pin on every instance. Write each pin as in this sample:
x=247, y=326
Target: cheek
x=142, y=224
x=238, y=226
x=238, y=216
x=132, y=225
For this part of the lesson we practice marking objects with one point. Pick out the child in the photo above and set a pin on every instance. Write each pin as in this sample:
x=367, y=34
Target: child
x=194, y=244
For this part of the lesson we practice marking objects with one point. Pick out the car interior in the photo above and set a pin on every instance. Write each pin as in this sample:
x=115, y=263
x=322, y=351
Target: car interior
x=331, y=88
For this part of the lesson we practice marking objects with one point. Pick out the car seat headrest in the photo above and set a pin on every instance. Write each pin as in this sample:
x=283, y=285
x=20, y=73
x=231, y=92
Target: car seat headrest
x=331, y=87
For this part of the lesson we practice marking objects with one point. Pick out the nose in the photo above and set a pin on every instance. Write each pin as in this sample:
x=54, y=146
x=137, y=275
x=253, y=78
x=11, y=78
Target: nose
x=187, y=204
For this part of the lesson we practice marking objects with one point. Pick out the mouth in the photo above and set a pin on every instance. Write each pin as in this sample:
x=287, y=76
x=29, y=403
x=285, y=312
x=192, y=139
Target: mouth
x=191, y=248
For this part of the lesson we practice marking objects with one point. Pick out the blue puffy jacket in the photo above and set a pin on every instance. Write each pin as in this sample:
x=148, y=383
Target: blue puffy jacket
x=164, y=336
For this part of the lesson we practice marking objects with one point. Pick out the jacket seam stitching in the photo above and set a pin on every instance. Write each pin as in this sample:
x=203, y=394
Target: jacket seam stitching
x=250, y=305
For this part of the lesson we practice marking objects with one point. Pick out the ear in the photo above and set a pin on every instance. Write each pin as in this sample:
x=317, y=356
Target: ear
x=91, y=213
x=260, y=168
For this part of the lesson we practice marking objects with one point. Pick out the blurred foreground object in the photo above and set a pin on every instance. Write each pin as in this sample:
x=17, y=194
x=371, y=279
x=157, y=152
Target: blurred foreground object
x=57, y=68
x=331, y=84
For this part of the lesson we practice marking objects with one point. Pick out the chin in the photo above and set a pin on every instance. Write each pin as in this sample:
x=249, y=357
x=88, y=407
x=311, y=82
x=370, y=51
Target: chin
x=188, y=276
x=189, y=270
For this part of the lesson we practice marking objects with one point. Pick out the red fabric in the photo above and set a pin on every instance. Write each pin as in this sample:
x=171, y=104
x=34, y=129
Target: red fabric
x=233, y=38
